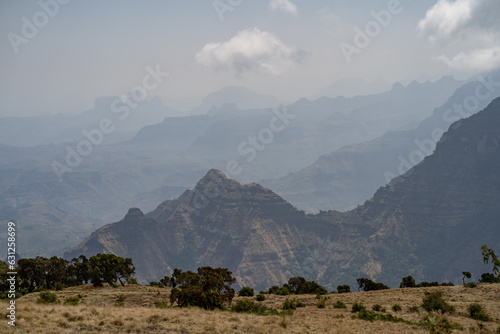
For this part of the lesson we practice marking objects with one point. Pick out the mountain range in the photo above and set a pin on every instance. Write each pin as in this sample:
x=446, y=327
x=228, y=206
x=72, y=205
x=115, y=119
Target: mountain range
x=165, y=158
x=429, y=222
x=345, y=178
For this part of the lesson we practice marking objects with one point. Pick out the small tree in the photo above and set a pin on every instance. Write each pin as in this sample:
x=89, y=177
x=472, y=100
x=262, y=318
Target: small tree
x=407, y=282
x=490, y=253
x=110, y=268
x=209, y=288
x=343, y=288
x=467, y=275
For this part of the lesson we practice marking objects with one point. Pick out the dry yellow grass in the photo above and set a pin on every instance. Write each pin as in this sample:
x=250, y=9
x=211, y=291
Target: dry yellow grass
x=99, y=312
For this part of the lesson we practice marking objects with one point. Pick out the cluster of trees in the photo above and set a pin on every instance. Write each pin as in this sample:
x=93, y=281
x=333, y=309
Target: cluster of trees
x=409, y=282
x=54, y=273
x=208, y=288
x=366, y=284
x=298, y=286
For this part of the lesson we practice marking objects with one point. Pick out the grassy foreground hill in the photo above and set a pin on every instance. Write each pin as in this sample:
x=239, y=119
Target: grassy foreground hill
x=132, y=309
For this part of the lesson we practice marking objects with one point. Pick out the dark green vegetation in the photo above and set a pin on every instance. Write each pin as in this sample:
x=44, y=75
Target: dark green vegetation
x=208, y=288
x=343, y=288
x=47, y=297
x=339, y=304
x=298, y=286
x=366, y=284
x=477, y=312
x=246, y=292
x=433, y=301
x=249, y=306
x=56, y=273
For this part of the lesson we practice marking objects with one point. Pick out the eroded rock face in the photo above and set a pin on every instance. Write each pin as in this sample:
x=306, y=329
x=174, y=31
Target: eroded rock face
x=429, y=223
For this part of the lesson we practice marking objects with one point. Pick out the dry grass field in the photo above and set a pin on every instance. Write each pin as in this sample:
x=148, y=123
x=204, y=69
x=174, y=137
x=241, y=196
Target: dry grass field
x=132, y=309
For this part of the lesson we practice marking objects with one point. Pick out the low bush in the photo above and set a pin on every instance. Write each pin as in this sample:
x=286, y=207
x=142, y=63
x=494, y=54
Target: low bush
x=72, y=300
x=470, y=285
x=477, y=312
x=439, y=324
x=246, y=292
x=433, y=301
x=47, y=297
x=396, y=308
x=367, y=314
x=260, y=297
x=249, y=306
x=357, y=307
x=321, y=304
x=161, y=304
x=289, y=305
x=339, y=304
x=378, y=308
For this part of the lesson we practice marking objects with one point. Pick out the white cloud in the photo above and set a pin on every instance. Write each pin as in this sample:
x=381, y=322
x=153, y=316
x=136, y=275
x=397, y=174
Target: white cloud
x=284, y=5
x=470, y=27
x=445, y=18
x=251, y=50
x=476, y=60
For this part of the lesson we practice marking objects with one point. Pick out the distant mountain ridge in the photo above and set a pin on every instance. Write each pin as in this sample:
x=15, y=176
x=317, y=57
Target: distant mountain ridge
x=345, y=178
x=429, y=223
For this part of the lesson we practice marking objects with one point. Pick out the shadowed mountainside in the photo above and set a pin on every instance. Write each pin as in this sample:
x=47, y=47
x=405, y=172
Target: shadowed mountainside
x=429, y=222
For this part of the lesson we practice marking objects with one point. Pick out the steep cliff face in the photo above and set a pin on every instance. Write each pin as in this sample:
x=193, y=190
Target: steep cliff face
x=246, y=228
x=439, y=214
x=429, y=223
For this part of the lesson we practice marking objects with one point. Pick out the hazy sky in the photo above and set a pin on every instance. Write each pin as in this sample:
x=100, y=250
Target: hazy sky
x=289, y=48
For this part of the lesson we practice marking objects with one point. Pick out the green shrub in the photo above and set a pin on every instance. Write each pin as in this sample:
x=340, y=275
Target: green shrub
x=433, y=301
x=161, y=304
x=477, y=312
x=396, y=308
x=488, y=278
x=72, y=300
x=498, y=330
x=378, y=308
x=47, y=297
x=357, y=307
x=343, y=289
x=246, y=292
x=470, y=285
x=249, y=306
x=289, y=305
x=339, y=304
x=365, y=314
x=260, y=297
x=120, y=300
x=321, y=304
x=438, y=324
x=156, y=284
x=301, y=304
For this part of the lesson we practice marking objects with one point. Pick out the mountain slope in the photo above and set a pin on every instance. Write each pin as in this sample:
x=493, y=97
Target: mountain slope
x=429, y=222
x=347, y=177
